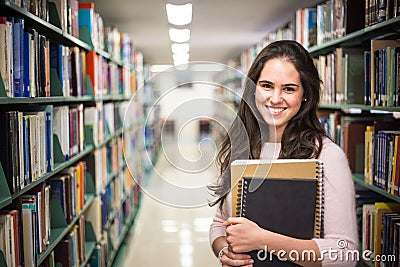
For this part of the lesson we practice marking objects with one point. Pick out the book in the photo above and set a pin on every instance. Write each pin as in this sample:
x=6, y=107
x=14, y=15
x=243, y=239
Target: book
x=262, y=189
x=381, y=208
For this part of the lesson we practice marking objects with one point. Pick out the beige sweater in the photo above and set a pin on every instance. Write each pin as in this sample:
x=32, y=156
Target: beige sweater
x=339, y=211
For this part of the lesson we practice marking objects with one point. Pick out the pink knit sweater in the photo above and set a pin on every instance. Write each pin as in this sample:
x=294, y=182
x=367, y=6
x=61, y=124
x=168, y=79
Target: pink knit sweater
x=340, y=225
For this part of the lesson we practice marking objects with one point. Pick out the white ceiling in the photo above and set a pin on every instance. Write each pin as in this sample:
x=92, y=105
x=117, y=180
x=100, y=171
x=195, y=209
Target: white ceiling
x=220, y=29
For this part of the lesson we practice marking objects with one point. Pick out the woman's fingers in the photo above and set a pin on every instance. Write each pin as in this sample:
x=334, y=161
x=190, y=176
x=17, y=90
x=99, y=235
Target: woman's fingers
x=234, y=259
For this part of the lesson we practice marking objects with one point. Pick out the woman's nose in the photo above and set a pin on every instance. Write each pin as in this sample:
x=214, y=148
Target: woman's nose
x=276, y=96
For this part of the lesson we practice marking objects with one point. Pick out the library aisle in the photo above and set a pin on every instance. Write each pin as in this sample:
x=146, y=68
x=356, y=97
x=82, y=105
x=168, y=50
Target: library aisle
x=167, y=235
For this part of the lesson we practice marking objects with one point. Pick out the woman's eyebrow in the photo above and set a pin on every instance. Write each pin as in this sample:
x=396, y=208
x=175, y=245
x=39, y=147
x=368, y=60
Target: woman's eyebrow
x=265, y=81
x=287, y=84
x=291, y=84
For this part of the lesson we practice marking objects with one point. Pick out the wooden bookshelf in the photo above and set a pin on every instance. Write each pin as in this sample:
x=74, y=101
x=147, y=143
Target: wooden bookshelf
x=111, y=142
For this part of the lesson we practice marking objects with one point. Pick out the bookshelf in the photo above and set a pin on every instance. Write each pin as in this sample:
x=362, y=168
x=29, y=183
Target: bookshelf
x=227, y=94
x=378, y=175
x=84, y=154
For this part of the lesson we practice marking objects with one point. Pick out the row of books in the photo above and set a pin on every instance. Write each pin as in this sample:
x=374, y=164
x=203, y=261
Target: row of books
x=382, y=85
x=380, y=10
x=69, y=64
x=27, y=141
x=25, y=59
x=387, y=162
x=110, y=211
x=71, y=250
x=25, y=228
x=312, y=26
x=72, y=14
x=107, y=78
x=337, y=18
x=68, y=126
x=28, y=58
x=69, y=189
x=28, y=223
x=306, y=26
x=381, y=231
x=342, y=75
x=38, y=8
x=108, y=221
x=101, y=163
x=106, y=119
x=27, y=145
x=371, y=144
x=355, y=76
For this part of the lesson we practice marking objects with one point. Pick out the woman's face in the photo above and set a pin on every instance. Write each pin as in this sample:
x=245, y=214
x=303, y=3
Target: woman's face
x=279, y=94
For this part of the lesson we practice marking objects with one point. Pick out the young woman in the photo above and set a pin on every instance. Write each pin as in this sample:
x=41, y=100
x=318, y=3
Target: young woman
x=279, y=111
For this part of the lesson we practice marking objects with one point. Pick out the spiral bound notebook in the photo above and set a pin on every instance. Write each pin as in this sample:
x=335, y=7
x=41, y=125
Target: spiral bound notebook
x=283, y=196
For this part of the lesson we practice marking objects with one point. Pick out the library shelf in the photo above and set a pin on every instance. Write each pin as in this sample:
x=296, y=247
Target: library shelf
x=43, y=100
x=377, y=31
x=58, y=233
x=359, y=179
x=359, y=107
x=124, y=231
x=57, y=168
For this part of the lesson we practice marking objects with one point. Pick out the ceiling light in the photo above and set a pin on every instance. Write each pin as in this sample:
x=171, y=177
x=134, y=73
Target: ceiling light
x=179, y=14
x=179, y=35
x=180, y=48
x=181, y=57
x=183, y=63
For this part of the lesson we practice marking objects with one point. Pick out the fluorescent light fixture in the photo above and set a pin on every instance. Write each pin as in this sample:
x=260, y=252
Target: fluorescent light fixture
x=180, y=48
x=181, y=57
x=179, y=35
x=160, y=68
x=179, y=14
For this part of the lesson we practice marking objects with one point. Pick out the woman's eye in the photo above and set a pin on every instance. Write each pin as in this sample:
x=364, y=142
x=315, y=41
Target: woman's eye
x=266, y=85
x=289, y=89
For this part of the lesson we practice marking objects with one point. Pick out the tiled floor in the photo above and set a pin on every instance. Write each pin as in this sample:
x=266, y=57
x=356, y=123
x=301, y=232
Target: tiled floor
x=172, y=225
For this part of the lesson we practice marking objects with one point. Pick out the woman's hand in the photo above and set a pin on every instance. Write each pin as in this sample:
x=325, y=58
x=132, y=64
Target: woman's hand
x=243, y=235
x=230, y=258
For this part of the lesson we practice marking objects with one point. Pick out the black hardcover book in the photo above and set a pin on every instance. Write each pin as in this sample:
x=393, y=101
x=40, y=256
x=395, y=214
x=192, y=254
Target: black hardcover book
x=271, y=196
x=285, y=206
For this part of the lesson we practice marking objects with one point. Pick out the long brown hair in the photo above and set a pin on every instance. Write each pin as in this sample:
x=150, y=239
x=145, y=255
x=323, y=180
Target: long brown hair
x=303, y=135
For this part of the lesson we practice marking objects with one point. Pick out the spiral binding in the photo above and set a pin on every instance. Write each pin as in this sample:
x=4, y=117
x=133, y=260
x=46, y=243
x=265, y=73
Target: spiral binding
x=319, y=212
x=239, y=198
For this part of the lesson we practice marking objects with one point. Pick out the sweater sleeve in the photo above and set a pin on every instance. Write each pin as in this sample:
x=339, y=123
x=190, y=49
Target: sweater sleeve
x=221, y=215
x=340, y=226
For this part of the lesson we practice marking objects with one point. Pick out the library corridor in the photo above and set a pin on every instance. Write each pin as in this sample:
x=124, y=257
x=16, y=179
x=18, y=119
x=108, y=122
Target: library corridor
x=171, y=229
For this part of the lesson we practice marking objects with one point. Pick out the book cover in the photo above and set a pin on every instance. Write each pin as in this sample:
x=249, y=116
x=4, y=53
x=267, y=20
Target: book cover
x=263, y=189
x=354, y=78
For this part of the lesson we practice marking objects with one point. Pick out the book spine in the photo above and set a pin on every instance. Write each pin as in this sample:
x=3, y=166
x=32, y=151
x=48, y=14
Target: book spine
x=17, y=57
x=27, y=150
x=26, y=65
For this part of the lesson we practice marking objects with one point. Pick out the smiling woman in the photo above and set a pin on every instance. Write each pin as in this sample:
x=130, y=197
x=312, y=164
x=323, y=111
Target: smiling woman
x=279, y=106
x=278, y=94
